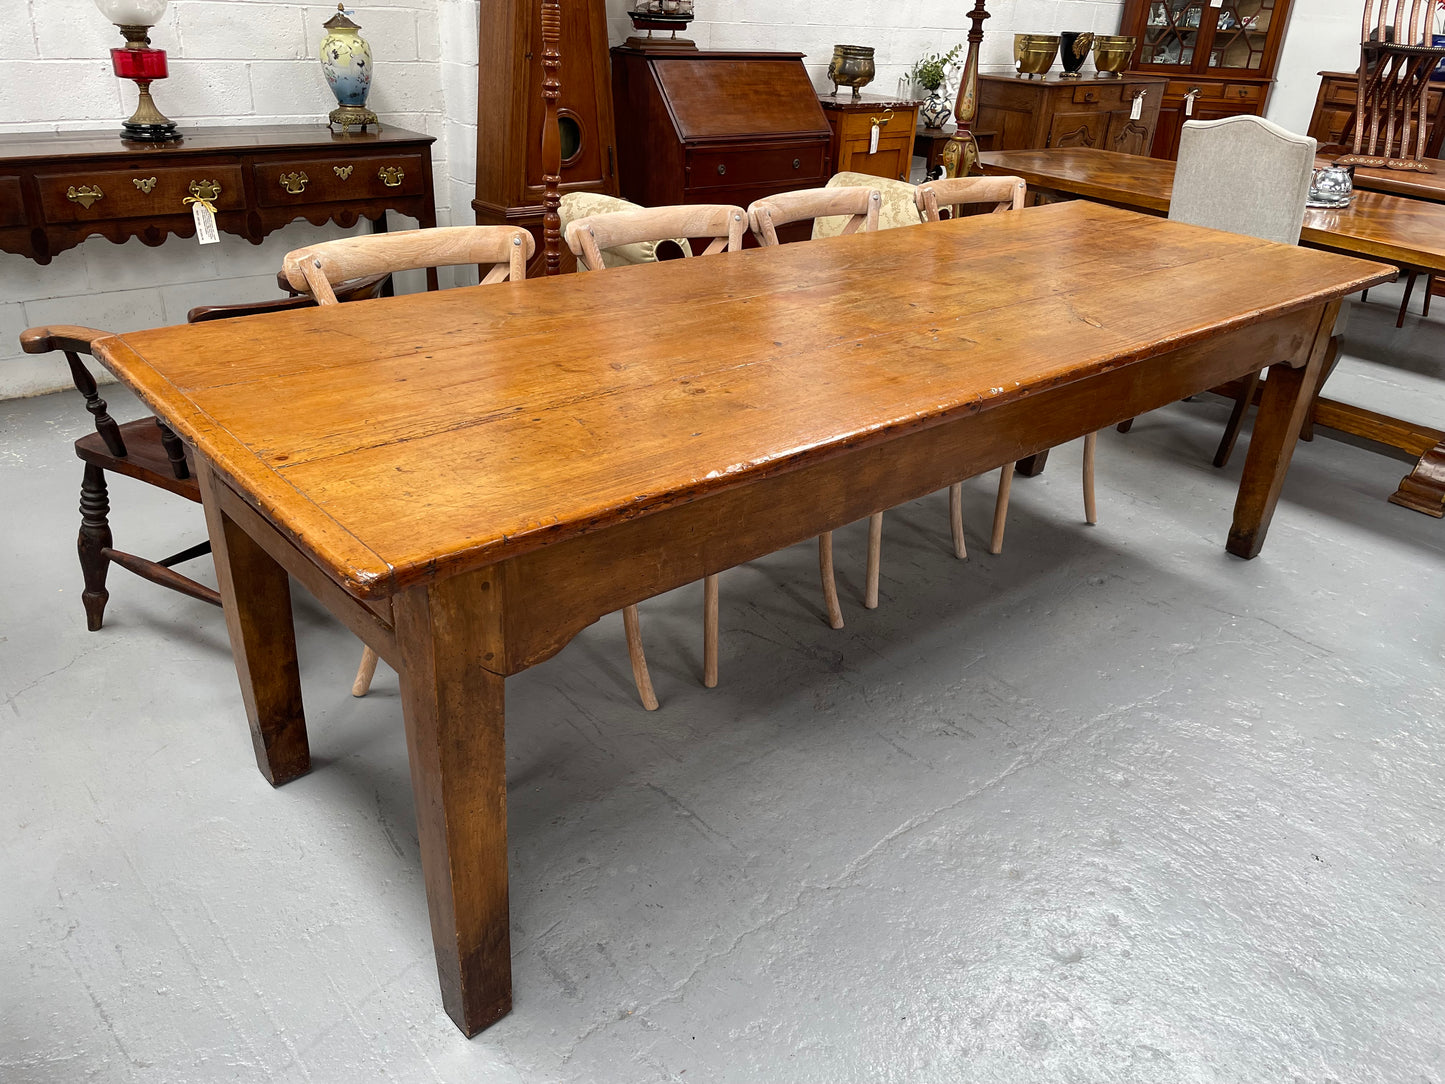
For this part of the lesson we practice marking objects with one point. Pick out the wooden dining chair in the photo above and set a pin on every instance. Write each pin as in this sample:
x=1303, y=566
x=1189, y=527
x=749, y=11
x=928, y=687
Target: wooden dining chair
x=503, y=252
x=951, y=196
x=590, y=238
x=856, y=209
x=145, y=449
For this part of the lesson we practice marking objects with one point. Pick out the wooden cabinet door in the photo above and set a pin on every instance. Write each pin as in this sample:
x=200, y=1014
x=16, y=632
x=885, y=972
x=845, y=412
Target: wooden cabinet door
x=1127, y=136
x=1078, y=130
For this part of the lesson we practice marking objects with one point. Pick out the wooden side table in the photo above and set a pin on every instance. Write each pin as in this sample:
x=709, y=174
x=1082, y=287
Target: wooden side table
x=852, y=120
x=57, y=190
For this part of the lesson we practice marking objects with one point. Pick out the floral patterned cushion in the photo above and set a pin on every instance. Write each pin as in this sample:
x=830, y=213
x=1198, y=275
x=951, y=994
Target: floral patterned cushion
x=898, y=207
x=577, y=205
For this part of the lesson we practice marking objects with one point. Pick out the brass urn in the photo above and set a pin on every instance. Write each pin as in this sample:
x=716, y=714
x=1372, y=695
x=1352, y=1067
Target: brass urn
x=851, y=66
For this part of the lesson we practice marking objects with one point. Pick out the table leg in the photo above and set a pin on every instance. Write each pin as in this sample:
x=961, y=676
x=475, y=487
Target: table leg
x=453, y=709
x=1288, y=396
x=1423, y=489
x=1031, y=466
x=263, y=640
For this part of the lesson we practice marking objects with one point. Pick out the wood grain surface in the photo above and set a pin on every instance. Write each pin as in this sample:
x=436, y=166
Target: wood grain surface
x=522, y=414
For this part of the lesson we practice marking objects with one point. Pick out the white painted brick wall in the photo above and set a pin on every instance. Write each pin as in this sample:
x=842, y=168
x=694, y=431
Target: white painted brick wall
x=253, y=61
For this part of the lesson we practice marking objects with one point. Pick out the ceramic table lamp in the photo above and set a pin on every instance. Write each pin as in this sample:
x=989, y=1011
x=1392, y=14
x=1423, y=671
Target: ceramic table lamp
x=346, y=60
x=138, y=61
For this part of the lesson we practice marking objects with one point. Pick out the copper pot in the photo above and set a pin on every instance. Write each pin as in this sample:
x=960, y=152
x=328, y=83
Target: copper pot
x=1034, y=53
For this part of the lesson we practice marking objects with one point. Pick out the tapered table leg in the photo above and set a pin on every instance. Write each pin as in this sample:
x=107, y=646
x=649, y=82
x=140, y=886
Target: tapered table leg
x=1288, y=396
x=256, y=599
x=453, y=709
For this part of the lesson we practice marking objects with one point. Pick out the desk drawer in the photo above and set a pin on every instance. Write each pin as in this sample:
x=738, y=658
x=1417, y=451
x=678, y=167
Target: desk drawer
x=1104, y=94
x=12, y=203
x=898, y=123
x=333, y=180
x=94, y=195
x=727, y=167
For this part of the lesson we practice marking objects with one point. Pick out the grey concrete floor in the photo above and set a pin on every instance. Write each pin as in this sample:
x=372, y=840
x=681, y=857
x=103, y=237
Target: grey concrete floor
x=1112, y=806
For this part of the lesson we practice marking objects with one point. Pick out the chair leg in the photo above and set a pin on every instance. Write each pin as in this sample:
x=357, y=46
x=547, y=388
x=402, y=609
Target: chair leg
x=364, y=673
x=709, y=631
x=830, y=583
x=875, y=559
x=93, y=544
x=1405, y=304
x=1429, y=293
x=1091, y=513
x=955, y=520
x=1000, y=507
x=1242, y=400
x=635, y=656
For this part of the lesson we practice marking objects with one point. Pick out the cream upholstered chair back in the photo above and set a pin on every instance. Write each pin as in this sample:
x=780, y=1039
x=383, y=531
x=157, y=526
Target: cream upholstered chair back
x=577, y=205
x=896, y=207
x=316, y=268
x=858, y=204
x=589, y=237
x=1005, y=193
x=1245, y=175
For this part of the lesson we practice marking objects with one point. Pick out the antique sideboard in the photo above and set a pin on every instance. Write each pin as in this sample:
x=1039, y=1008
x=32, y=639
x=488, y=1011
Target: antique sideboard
x=58, y=189
x=1031, y=114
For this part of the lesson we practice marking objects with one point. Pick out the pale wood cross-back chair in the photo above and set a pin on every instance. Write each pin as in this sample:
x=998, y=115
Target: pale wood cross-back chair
x=952, y=194
x=858, y=208
x=144, y=449
x=588, y=238
x=502, y=250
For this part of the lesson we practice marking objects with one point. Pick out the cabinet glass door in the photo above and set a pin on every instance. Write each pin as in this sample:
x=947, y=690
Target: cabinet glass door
x=1171, y=35
x=1241, y=34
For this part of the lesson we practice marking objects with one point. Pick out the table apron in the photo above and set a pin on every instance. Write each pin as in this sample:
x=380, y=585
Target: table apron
x=537, y=601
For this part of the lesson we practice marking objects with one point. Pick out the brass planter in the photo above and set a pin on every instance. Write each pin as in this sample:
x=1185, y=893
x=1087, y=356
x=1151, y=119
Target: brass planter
x=851, y=66
x=1112, y=53
x=1034, y=53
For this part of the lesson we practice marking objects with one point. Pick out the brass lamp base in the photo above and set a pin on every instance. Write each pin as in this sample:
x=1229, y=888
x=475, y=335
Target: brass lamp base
x=353, y=116
x=148, y=124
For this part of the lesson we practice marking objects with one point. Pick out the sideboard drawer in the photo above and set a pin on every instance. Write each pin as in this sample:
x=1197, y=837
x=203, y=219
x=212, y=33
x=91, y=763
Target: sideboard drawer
x=1105, y=94
x=12, y=202
x=336, y=180
x=1243, y=92
x=727, y=167
x=92, y=195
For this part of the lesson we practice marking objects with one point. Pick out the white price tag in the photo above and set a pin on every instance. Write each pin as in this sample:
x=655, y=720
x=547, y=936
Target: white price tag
x=1189, y=105
x=1138, y=111
x=205, y=223
x=873, y=140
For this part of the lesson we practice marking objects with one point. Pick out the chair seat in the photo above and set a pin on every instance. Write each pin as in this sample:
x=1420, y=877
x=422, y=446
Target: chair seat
x=145, y=458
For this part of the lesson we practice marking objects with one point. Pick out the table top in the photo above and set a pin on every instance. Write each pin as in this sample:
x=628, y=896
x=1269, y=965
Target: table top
x=1375, y=225
x=196, y=139
x=409, y=438
x=1400, y=182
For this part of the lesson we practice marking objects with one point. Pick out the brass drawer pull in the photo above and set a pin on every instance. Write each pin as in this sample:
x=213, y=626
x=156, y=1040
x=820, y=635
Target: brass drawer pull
x=344, y=172
x=391, y=176
x=206, y=191
x=294, y=183
x=145, y=184
x=85, y=195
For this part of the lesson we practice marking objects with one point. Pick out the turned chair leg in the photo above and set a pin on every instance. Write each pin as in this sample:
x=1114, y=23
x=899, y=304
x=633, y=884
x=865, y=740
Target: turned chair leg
x=1000, y=507
x=955, y=520
x=640, y=675
x=875, y=560
x=364, y=673
x=1091, y=516
x=709, y=631
x=830, y=582
x=93, y=544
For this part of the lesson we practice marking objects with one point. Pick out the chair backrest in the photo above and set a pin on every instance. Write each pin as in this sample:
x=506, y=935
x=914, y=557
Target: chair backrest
x=577, y=205
x=861, y=204
x=1245, y=175
x=588, y=237
x=1006, y=193
x=897, y=208
x=316, y=268
x=1399, y=22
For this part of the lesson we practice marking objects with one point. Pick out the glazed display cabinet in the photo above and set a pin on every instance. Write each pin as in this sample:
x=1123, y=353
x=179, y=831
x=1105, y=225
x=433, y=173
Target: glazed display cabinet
x=1218, y=55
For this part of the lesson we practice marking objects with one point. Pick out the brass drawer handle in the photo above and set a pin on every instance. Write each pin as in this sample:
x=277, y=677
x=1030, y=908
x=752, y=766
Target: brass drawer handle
x=145, y=184
x=85, y=195
x=344, y=172
x=206, y=191
x=391, y=176
x=294, y=183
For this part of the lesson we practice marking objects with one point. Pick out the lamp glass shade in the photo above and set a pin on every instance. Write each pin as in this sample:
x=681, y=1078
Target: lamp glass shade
x=132, y=12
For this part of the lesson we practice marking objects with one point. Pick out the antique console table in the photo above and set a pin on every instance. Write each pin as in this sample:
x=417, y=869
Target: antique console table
x=58, y=189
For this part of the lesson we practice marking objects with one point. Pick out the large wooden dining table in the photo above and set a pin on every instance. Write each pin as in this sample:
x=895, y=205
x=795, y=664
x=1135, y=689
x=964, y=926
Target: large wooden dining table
x=467, y=479
x=1404, y=231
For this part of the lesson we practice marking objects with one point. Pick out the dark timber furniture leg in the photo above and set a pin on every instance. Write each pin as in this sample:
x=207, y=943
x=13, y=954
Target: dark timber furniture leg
x=453, y=707
x=93, y=543
x=1288, y=396
x=1033, y=465
x=256, y=599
